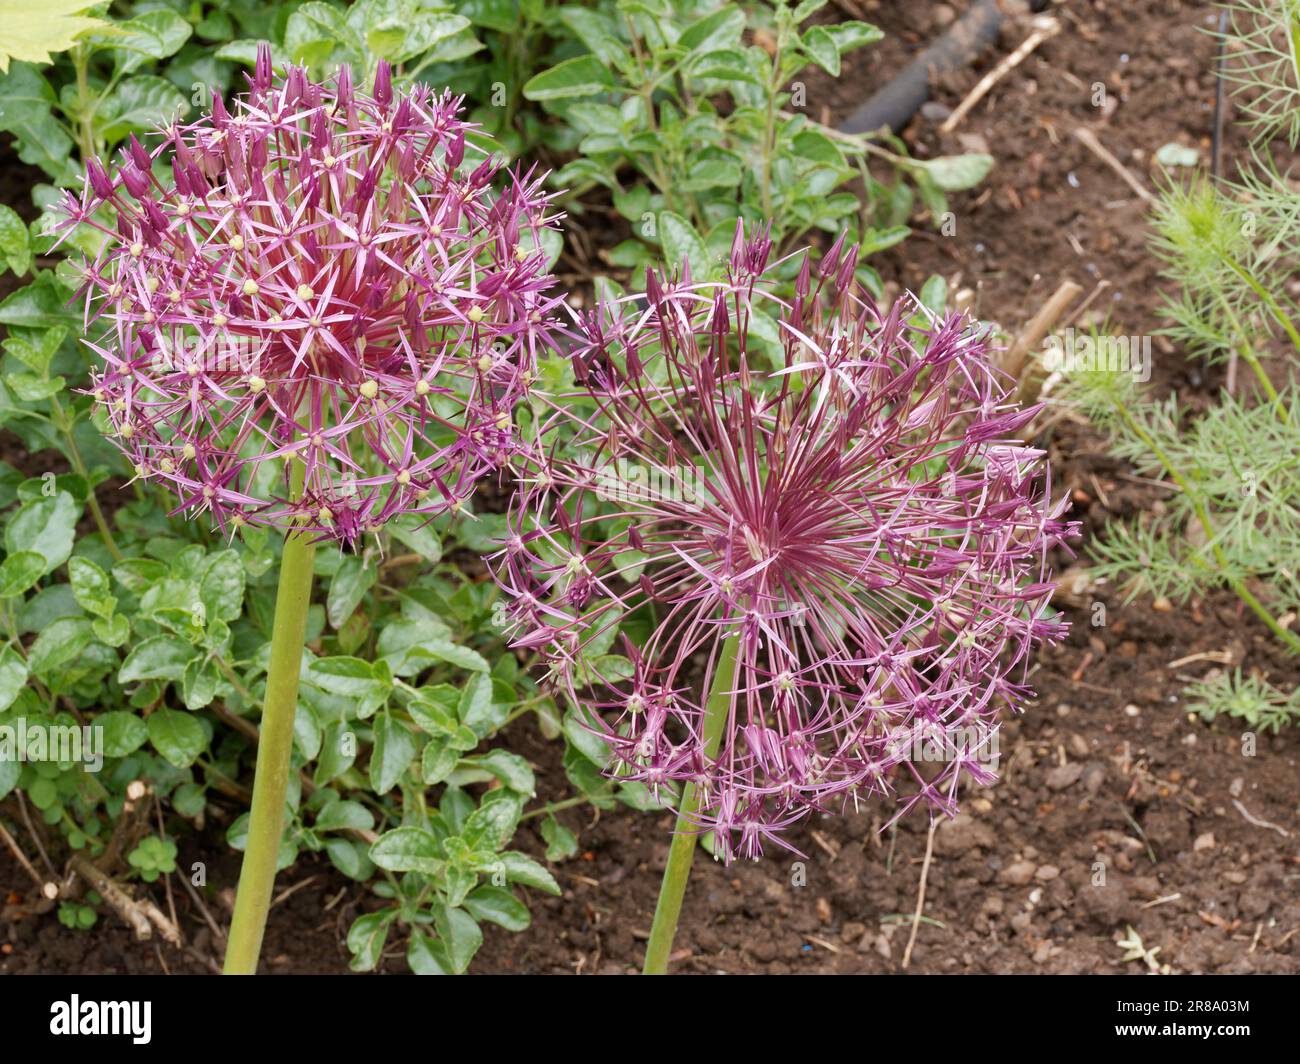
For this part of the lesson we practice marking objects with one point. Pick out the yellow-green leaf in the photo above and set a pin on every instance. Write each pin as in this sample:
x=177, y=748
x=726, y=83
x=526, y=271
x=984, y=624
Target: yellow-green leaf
x=33, y=32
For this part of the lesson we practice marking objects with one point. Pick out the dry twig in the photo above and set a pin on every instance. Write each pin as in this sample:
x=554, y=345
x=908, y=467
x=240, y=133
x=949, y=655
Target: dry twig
x=1089, y=140
x=920, y=893
x=1045, y=28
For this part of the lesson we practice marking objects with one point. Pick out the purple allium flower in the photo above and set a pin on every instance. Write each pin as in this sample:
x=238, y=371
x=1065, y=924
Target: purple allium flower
x=325, y=275
x=861, y=524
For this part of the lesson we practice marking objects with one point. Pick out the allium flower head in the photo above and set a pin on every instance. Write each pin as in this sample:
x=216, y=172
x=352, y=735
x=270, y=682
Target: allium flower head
x=319, y=275
x=860, y=525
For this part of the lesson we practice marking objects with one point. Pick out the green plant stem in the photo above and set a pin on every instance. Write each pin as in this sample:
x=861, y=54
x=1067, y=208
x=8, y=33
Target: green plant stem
x=555, y=807
x=270, y=784
x=1203, y=517
x=66, y=426
x=1247, y=351
x=686, y=833
x=85, y=126
x=1266, y=297
x=769, y=124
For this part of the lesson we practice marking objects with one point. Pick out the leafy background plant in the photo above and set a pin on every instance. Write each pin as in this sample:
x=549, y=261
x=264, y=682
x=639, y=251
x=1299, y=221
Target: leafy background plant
x=678, y=117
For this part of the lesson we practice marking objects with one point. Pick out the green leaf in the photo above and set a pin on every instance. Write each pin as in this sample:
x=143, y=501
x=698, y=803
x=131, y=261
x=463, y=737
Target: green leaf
x=198, y=684
x=721, y=29
x=955, y=173
x=475, y=705
x=408, y=849
x=178, y=736
x=137, y=575
x=853, y=34
x=368, y=933
x=402, y=642
x=46, y=527
x=354, y=577
x=13, y=676
x=238, y=51
x=584, y=76
x=162, y=657
x=462, y=657
x=35, y=351
x=124, y=733
x=493, y=823
x=349, y=857
x=27, y=106
x=510, y=769
x=876, y=240
x=499, y=15
x=460, y=936
x=338, y=751
x=393, y=751
x=431, y=713
x=417, y=535
x=426, y=955
x=934, y=294
x=498, y=906
x=34, y=31
x=153, y=35
x=90, y=587
x=366, y=684
x=15, y=241
x=437, y=762
x=682, y=243
x=821, y=48
x=807, y=9
x=561, y=843
x=221, y=588
x=30, y=388
x=59, y=645
x=584, y=740
x=113, y=631
x=20, y=571
x=141, y=104
x=189, y=800
x=319, y=36
x=41, y=304
x=391, y=33
x=520, y=868
x=343, y=815
x=9, y=773
x=598, y=31
x=43, y=793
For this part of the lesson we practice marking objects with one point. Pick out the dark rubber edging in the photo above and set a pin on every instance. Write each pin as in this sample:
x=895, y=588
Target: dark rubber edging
x=960, y=46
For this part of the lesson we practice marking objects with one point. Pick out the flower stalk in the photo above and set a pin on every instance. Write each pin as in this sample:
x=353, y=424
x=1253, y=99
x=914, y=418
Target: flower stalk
x=270, y=785
x=681, y=852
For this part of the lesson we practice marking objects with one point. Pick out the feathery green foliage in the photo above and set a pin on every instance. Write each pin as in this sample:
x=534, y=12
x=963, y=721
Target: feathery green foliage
x=1250, y=699
x=1263, y=38
x=1232, y=251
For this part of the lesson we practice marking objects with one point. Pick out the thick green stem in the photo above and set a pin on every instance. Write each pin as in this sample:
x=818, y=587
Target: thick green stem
x=270, y=784
x=682, y=850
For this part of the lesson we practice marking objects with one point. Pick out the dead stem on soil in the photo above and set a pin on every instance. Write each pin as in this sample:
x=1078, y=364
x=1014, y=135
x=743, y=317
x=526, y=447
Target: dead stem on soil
x=1045, y=28
x=920, y=893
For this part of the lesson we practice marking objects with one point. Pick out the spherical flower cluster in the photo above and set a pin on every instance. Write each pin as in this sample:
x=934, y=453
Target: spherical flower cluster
x=324, y=281
x=850, y=548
